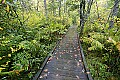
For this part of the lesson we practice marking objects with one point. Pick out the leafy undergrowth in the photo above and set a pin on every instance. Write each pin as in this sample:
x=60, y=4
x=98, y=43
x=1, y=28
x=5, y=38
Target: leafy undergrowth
x=101, y=44
x=23, y=47
x=102, y=50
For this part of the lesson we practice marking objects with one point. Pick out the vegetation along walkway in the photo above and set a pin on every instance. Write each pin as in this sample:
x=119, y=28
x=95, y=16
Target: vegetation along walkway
x=66, y=62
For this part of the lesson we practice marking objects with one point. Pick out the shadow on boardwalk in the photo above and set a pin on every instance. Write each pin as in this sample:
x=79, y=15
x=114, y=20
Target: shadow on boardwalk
x=66, y=62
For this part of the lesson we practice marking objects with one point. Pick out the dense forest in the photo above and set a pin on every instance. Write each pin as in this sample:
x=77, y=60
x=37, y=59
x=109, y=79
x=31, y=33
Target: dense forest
x=29, y=30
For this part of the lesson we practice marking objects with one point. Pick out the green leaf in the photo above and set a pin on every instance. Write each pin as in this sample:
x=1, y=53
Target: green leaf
x=1, y=69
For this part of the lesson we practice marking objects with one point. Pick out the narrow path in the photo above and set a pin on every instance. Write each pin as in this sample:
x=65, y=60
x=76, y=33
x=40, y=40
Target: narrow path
x=66, y=62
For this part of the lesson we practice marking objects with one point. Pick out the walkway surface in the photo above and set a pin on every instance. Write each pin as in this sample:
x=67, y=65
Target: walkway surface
x=66, y=62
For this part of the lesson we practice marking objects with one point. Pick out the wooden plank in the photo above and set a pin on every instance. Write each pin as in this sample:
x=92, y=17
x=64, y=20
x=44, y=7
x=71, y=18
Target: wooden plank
x=66, y=62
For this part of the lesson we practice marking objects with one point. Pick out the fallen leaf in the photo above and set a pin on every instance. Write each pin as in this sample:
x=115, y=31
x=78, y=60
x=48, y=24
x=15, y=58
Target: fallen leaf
x=56, y=57
x=46, y=70
x=41, y=76
x=50, y=59
x=45, y=75
x=88, y=72
x=78, y=64
x=77, y=77
x=57, y=75
x=80, y=60
x=75, y=55
x=48, y=62
x=70, y=51
x=48, y=73
x=78, y=49
x=68, y=62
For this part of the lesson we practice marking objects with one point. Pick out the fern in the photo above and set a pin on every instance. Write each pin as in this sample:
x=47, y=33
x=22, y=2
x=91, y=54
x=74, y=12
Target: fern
x=96, y=45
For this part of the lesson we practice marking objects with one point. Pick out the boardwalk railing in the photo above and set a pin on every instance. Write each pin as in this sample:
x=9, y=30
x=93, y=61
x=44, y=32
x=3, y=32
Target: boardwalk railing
x=84, y=61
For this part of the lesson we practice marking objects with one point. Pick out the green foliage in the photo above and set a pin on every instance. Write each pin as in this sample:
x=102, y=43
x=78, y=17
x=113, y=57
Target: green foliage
x=98, y=69
x=107, y=52
x=26, y=39
x=102, y=46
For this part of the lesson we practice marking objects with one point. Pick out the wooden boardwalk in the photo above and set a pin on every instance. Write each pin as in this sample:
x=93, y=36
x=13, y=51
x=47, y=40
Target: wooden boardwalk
x=66, y=62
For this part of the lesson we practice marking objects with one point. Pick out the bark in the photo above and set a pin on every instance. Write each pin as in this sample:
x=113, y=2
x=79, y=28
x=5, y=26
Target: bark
x=64, y=6
x=37, y=5
x=89, y=6
x=45, y=6
x=82, y=12
x=83, y=15
x=59, y=9
x=97, y=10
x=54, y=10
x=114, y=13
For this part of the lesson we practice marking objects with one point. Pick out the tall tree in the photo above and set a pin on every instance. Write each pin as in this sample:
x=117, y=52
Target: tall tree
x=38, y=5
x=89, y=6
x=59, y=8
x=84, y=13
x=64, y=6
x=114, y=12
x=97, y=9
x=45, y=6
x=53, y=5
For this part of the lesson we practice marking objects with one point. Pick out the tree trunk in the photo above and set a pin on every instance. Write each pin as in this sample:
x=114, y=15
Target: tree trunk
x=97, y=10
x=64, y=6
x=114, y=13
x=82, y=13
x=37, y=5
x=59, y=9
x=45, y=6
x=89, y=6
x=53, y=4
